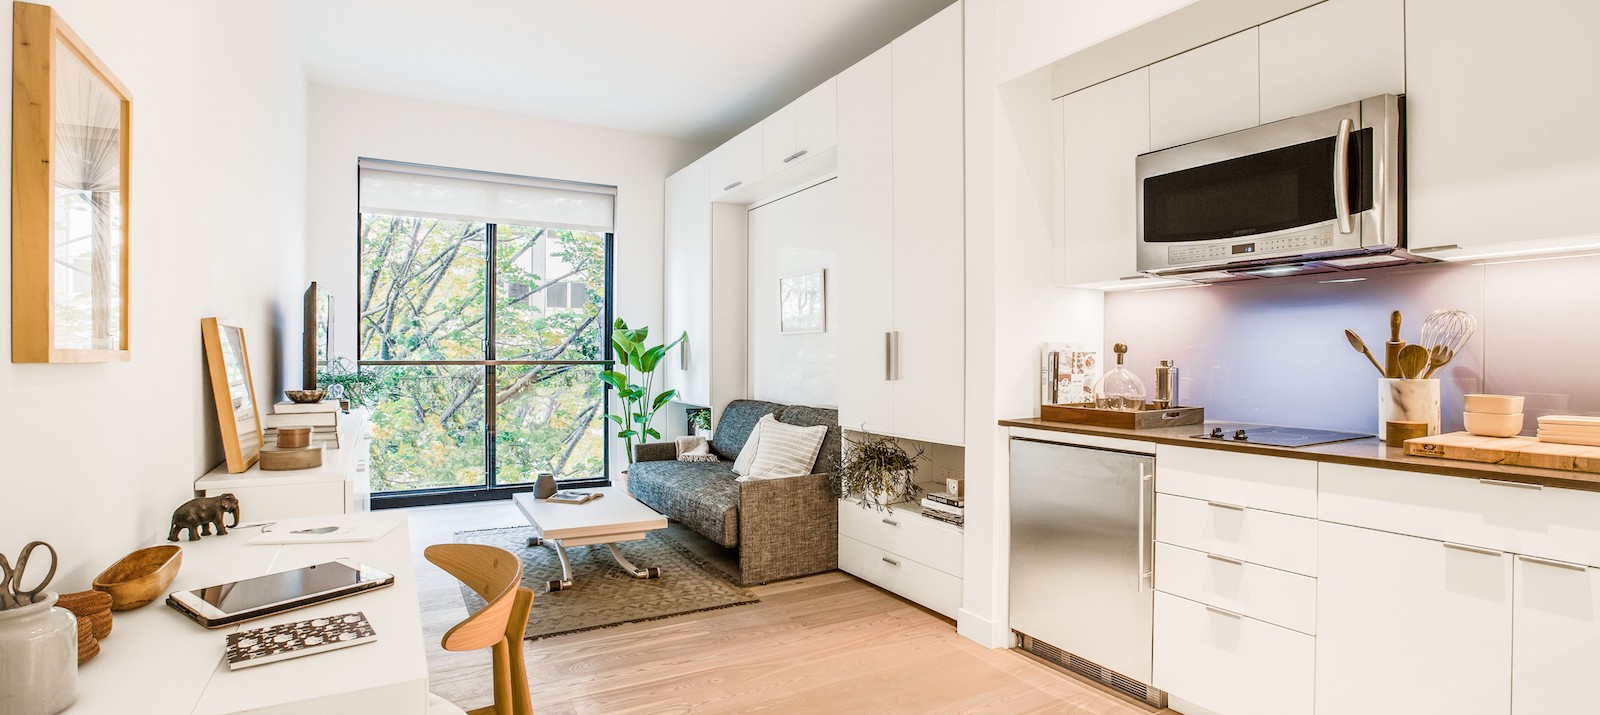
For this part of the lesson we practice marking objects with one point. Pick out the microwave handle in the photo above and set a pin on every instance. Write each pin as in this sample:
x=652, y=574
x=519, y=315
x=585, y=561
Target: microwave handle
x=1341, y=175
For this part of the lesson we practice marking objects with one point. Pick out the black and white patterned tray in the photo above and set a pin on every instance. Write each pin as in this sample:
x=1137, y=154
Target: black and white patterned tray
x=292, y=640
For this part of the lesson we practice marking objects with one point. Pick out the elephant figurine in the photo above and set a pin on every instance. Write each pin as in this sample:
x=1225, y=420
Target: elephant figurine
x=198, y=515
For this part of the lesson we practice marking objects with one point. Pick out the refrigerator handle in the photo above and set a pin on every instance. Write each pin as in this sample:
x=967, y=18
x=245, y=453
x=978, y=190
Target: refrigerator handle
x=1146, y=485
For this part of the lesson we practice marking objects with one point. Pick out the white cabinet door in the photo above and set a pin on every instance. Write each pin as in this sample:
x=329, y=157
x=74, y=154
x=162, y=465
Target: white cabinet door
x=687, y=294
x=863, y=280
x=1104, y=127
x=737, y=162
x=816, y=125
x=1209, y=90
x=1556, y=642
x=929, y=229
x=1408, y=625
x=1228, y=663
x=777, y=138
x=1329, y=54
x=1501, y=105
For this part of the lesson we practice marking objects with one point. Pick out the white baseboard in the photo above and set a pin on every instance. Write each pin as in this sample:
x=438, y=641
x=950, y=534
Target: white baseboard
x=983, y=631
x=1184, y=707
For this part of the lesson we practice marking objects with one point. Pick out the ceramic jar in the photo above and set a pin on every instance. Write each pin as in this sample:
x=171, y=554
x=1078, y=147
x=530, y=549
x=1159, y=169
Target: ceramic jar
x=38, y=658
x=1401, y=400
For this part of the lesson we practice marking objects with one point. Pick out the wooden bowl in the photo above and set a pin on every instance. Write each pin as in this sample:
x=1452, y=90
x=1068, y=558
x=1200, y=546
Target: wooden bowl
x=140, y=577
x=306, y=396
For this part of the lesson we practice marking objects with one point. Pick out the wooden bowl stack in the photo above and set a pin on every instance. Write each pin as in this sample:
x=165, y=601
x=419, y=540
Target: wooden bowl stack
x=93, y=609
x=293, y=451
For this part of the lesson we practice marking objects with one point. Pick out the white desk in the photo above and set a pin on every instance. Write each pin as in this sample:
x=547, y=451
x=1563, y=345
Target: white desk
x=340, y=486
x=157, y=661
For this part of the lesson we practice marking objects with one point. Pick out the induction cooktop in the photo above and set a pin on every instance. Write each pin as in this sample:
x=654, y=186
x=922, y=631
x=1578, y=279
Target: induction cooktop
x=1272, y=435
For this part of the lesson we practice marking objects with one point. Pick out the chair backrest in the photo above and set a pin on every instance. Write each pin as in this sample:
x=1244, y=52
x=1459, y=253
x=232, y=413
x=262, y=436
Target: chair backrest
x=496, y=576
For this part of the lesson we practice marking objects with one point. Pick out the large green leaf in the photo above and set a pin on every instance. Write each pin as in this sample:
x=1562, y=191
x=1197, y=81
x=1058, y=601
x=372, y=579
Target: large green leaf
x=663, y=399
x=618, y=419
x=651, y=358
x=652, y=433
x=615, y=379
x=627, y=434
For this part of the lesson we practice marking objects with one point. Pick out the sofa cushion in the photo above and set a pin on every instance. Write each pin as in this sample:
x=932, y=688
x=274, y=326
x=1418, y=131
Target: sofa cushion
x=733, y=427
x=783, y=450
x=828, y=455
x=700, y=495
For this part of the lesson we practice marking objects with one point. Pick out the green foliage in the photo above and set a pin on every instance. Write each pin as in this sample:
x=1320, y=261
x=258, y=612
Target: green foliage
x=346, y=381
x=701, y=419
x=639, y=402
x=878, y=470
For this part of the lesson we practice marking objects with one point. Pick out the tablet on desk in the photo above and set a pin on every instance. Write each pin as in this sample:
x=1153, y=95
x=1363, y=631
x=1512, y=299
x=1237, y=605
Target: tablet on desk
x=229, y=603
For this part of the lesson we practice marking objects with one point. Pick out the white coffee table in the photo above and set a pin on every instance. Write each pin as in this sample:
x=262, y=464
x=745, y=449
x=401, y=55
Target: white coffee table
x=612, y=519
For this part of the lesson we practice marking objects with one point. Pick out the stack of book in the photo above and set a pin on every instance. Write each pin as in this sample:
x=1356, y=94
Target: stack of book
x=321, y=417
x=945, y=507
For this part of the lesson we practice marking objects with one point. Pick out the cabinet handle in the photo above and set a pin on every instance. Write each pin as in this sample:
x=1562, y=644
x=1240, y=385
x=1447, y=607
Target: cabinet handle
x=1225, y=559
x=891, y=522
x=1221, y=612
x=1556, y=564
x=794, y=156
x=891, y=355
x=1473, y=549
x=1145, y=484
x=733, y=185
x=1431, y=249
x=683, y=356
x=1134, y=277
x=1224, y=505
x=1513, y=485
x=1341, y=175
x=890, y=561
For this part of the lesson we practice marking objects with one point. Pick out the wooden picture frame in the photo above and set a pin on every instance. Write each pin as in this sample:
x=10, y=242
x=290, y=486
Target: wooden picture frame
x=316, y=342
x=238, y=411
x=69, y=196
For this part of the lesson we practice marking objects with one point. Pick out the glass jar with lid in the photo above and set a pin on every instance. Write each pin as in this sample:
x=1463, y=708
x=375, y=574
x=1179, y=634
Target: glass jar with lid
x=1119, y=388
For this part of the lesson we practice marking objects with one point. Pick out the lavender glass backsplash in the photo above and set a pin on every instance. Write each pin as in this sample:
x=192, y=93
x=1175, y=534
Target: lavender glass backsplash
x=1274, y=351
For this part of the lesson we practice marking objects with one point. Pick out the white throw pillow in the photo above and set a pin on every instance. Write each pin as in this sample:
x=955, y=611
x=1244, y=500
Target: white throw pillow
x=747, y=456
x=786, y=450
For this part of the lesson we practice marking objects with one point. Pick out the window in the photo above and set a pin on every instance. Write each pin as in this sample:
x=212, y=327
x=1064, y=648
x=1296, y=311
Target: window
x=484, y=309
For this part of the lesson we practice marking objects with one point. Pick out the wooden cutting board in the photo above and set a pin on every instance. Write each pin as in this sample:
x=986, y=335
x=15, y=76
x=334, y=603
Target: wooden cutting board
x=1510, y=451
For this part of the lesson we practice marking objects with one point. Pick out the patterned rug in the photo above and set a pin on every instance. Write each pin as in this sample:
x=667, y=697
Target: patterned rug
x=602, y=595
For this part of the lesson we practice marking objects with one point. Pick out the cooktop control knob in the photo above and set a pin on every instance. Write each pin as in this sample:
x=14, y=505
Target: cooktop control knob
x=1216, y=433
x=1241, y=436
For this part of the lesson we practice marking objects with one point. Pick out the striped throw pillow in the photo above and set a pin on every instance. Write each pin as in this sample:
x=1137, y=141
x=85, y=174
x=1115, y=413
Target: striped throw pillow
x=786, y=450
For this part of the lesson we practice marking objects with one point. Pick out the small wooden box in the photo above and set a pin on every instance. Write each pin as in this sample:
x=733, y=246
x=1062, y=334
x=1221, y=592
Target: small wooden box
x=292, y=437
x=1147, y=418
x=283, y=459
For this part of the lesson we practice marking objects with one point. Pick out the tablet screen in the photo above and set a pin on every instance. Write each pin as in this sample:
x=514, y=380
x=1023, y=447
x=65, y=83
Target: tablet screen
x=273, y=588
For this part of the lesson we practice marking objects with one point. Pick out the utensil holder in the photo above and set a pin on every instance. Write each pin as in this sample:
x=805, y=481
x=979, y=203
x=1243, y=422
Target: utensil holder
x=1401, y=400
x=38, y=658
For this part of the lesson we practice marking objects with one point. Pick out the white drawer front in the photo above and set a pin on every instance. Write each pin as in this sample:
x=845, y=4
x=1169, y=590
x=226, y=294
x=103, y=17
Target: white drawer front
x=1230, y=664
x=1551, y=523
x=1269, y=483
x=918, y=582
x=1259, y=537
x=1277, y=597
x=904, y=532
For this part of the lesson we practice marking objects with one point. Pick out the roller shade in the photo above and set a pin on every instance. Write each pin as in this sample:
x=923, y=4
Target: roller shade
x=400, y=189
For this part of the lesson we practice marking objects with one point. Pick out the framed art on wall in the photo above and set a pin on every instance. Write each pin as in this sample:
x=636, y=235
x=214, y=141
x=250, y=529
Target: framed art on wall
x=803, y=300
x=69, y=196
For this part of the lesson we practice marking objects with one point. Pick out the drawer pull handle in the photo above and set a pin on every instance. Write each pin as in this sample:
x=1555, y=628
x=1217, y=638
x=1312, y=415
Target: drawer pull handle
x=1514, y=485
x=1224, y=505
x=733, y=185
x=890, y=561
x=1473, y=549
x=1221, y=612
x=1225, y=559
x=1556, y=564
x=794, y=156
x=891, y=522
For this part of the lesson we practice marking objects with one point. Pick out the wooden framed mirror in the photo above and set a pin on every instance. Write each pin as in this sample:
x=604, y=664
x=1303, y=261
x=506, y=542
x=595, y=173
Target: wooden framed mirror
x=238, y=413
x=69, y=196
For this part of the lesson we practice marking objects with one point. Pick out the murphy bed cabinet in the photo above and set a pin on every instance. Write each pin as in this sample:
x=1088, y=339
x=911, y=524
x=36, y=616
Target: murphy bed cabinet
x=901, y=168
x=706, y=294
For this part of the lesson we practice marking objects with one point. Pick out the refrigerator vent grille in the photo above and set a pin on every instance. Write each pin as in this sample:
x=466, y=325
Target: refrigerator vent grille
x=1093, y=671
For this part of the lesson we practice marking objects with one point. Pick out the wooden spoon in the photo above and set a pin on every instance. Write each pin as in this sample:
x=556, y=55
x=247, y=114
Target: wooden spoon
x=1413, y=360
x=1361, y=347
x=1391, y=349
x=1438, y=357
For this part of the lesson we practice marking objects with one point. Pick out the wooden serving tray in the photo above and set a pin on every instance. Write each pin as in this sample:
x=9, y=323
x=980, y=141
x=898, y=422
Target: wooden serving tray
x=1147, y=418
x=284, y=459
x=1510, y=451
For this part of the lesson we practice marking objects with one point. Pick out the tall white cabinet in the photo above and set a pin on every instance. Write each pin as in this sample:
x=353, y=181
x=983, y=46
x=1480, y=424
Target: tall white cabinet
x=902, y=237
x=705, y=255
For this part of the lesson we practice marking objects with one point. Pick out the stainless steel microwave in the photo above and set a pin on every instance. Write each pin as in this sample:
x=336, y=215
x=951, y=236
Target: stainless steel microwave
x=1315, y=193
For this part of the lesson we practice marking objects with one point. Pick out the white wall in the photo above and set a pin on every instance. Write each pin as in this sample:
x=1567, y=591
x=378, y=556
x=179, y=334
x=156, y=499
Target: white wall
x=95, y=457
x=798, y=233
x=348, y=124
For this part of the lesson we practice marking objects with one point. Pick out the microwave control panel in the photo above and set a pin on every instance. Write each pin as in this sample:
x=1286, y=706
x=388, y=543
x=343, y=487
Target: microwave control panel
x=1303, y=242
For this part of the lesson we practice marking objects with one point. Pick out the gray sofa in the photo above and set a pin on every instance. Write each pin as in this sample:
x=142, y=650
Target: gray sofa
x=783, y=528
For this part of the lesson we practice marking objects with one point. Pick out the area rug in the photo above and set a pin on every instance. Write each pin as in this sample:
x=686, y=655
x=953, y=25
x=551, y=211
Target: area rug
x=602, y=595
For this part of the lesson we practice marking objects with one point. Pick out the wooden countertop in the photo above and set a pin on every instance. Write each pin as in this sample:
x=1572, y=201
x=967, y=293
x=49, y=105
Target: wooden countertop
x=1361, y=453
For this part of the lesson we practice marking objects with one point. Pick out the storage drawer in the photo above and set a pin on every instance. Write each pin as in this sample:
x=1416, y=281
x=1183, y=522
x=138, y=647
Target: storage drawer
x=1547, y=522
x=1276, y=484
x=1277, y=597
x=1231, y=664
x=1259, y=537
x=918, y=582
x=904, y=532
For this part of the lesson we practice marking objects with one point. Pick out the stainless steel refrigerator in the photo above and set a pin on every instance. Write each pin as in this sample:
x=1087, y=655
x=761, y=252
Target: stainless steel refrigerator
x=1082, y=545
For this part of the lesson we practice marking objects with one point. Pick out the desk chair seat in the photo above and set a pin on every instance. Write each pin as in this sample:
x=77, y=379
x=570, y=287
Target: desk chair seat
x=496, y=576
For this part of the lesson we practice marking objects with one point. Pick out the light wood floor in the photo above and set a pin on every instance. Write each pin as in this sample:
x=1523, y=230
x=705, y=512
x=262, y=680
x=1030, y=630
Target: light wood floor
x=822, y=644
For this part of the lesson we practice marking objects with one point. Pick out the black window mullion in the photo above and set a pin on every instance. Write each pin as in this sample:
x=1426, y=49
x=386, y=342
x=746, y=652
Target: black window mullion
x=491, y=279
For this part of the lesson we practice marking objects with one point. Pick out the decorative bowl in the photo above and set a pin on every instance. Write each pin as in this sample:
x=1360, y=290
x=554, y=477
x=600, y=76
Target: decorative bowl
x=306, y=396
x=140, y=577
x=1492, y=404
x=1487, y=425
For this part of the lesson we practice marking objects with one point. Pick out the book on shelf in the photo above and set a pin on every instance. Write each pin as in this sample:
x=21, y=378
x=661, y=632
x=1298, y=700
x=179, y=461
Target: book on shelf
x=328, y=439
x=302, y=419
x=946, y=498
x=271, y=644
x=301, y=408
x=945, y=517
x=573, y=496
x=930, y=505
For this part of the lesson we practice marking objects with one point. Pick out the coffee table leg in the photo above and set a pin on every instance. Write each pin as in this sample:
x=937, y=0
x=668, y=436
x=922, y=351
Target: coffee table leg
x=566, y=566
x=628, y=566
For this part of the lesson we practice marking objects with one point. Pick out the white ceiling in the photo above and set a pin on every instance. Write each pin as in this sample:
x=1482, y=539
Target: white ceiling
x=694, y=69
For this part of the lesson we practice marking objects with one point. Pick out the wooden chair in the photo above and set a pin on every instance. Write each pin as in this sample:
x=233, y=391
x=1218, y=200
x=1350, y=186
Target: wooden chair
x=496, y=575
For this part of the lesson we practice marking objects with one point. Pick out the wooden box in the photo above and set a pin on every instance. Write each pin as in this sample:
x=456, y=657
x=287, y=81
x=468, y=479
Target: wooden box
x=1147, y=418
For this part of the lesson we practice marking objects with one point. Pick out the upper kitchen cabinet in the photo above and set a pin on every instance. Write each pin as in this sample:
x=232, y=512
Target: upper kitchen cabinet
x=736, y=163
x=1210, y=90
x=1332, y=53
x=801, y=131
x=1501, y=104
x=866, y=225
x=1104, y=127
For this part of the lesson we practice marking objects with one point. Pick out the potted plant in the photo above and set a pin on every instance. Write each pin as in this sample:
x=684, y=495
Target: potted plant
x=635, y=382
x=348, y=383
x=878, y=470
x=700, y=421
